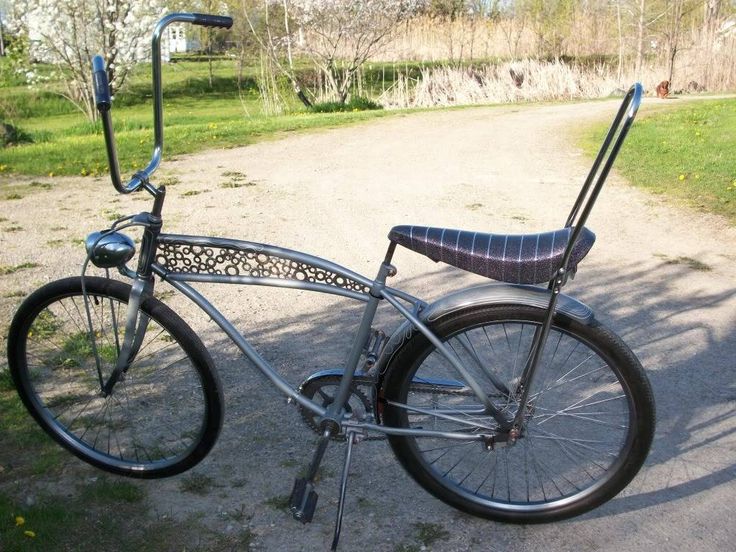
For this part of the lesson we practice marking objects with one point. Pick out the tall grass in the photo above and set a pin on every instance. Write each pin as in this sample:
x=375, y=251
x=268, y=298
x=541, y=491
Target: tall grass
x=526, y=80
x=709, y=62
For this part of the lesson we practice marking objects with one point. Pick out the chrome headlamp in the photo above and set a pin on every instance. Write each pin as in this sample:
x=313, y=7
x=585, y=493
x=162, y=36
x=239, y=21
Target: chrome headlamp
x=109, y=250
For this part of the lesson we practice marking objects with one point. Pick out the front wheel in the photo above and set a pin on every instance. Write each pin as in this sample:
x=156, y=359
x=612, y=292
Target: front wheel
x=162, y=417
x=588, y=425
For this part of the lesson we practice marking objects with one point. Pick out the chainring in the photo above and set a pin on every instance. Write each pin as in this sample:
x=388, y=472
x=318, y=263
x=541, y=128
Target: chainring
x=323, y=389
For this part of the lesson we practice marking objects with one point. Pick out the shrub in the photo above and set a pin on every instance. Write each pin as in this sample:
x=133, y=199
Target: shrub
x=356, y=103
x=12, y=135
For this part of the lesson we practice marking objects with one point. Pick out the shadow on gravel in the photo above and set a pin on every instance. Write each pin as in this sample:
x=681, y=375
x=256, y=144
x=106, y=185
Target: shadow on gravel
x=688, y=359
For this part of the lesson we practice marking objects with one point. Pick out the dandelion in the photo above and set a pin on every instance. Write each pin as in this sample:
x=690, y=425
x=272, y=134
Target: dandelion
x=51, y=174
x=19, y=520
x=681, y=177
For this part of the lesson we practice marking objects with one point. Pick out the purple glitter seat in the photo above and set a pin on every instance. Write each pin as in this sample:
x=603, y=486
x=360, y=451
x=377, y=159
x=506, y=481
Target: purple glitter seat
x=516, y=259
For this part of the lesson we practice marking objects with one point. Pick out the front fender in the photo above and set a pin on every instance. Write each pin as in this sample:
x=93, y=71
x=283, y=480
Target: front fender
x=484, y=295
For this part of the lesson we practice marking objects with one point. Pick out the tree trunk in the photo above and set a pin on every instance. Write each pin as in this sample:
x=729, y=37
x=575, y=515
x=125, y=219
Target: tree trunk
x=674, y=38
x=640, y=39
x=711, y=17
x=2, y=39
x=620, y=71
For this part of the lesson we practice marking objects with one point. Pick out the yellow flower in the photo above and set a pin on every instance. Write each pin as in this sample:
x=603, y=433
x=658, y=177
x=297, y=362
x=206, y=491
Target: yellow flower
x=51, y=174
x=19, y=520
x=681, y=177
x=30, y=534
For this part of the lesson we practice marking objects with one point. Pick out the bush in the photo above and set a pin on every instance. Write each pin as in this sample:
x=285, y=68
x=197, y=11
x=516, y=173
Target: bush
x=356, y=103
x=12, y=135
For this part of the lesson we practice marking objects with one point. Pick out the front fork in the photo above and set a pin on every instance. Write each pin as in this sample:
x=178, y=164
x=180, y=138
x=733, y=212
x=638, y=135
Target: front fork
x=136, y=322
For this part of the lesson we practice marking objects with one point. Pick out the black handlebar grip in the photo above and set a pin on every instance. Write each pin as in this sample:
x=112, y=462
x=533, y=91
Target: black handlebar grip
x=207, y=20
x=102, y=87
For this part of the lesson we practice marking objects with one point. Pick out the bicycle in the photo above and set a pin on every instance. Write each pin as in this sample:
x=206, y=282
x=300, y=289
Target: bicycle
x=508, y=400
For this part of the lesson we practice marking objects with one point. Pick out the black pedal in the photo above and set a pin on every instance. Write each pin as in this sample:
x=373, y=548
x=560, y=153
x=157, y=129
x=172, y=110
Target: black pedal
x=303, y=500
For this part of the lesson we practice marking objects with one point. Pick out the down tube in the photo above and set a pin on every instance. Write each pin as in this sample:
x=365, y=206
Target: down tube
x=247, y=349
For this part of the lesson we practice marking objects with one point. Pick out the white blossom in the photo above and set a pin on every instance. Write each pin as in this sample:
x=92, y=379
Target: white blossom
x=68, y=33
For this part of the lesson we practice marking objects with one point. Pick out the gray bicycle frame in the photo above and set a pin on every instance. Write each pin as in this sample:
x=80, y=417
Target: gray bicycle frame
x=279, y=267
x=364, y=289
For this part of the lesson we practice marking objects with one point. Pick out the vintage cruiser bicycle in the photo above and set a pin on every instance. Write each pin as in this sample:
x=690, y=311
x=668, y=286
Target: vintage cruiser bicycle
x=507, y=400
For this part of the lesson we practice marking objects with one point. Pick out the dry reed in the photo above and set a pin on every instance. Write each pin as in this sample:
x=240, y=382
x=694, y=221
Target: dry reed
x=527, y=80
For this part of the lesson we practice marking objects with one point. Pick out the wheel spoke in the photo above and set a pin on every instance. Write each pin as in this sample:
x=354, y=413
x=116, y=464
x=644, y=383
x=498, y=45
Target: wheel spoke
x=155, y=418
x=577, y=423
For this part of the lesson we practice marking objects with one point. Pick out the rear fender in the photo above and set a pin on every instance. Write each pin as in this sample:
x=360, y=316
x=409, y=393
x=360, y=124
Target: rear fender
x=480, y=296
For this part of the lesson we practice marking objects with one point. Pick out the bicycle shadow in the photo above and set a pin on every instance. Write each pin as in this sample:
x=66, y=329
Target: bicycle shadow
x=683, y=341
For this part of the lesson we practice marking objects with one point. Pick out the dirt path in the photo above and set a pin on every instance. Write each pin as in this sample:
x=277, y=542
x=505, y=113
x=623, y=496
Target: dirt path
x=660, y=276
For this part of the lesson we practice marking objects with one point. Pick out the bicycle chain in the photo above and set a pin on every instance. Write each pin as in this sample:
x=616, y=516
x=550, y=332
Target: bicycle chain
x=309, y=418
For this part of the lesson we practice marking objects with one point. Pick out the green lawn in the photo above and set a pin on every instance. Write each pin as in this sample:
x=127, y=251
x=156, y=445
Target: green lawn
x=198, y=115
x=684, y=153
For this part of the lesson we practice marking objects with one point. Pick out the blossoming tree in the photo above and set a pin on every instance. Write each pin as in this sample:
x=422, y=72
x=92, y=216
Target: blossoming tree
x=340, y=35
x=67, y=33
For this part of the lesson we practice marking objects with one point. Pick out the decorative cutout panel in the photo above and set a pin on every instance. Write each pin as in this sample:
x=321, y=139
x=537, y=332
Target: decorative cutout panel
x=248, y=261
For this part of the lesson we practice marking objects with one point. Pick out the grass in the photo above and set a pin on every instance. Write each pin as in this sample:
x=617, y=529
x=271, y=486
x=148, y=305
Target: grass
x=429, y=533
x=89, y=522
x=684, y=154
x=691, y=263
x=25, y=450
x=280, y=502
x=100, y=513
x=197, y=116
x=76, y=153
x=104, y=513
x=113, y=490
x=11, y=269
x=197, y=483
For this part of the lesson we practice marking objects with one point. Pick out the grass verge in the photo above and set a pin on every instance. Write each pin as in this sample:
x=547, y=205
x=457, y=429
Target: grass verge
x=684, y=154
x=84, y=154
x=93, y=513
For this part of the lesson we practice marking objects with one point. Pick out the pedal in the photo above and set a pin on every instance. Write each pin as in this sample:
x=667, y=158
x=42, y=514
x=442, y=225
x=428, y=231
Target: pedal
x=303, y=500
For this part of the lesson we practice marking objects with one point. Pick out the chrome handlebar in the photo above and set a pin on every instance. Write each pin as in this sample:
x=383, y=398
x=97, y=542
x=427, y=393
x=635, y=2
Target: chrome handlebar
x=103, y=100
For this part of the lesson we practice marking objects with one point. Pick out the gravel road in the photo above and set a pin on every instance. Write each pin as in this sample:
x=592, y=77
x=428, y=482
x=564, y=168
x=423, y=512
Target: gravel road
x=660, y=275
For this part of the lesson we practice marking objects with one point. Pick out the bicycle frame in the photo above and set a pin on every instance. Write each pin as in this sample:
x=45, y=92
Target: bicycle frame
x=183, y=260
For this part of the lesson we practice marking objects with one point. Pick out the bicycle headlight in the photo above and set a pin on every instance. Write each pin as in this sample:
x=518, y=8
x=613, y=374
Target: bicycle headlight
x=111, y=250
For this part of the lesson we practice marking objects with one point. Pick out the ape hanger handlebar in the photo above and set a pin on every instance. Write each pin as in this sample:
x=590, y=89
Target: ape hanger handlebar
x=103, y=100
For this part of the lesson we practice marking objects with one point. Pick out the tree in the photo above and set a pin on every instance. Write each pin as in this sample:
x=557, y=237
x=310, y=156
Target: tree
x=3, y=13
x=551, y=23
x=340, y=35
x=270, y=27
x=68, y=33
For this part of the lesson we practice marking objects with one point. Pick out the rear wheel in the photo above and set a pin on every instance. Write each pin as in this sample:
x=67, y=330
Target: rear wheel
x=587, y=431
x=162, y=417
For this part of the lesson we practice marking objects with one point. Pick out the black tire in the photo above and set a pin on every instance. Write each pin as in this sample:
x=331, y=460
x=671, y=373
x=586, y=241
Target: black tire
x=589, y=430
x=162, y=417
